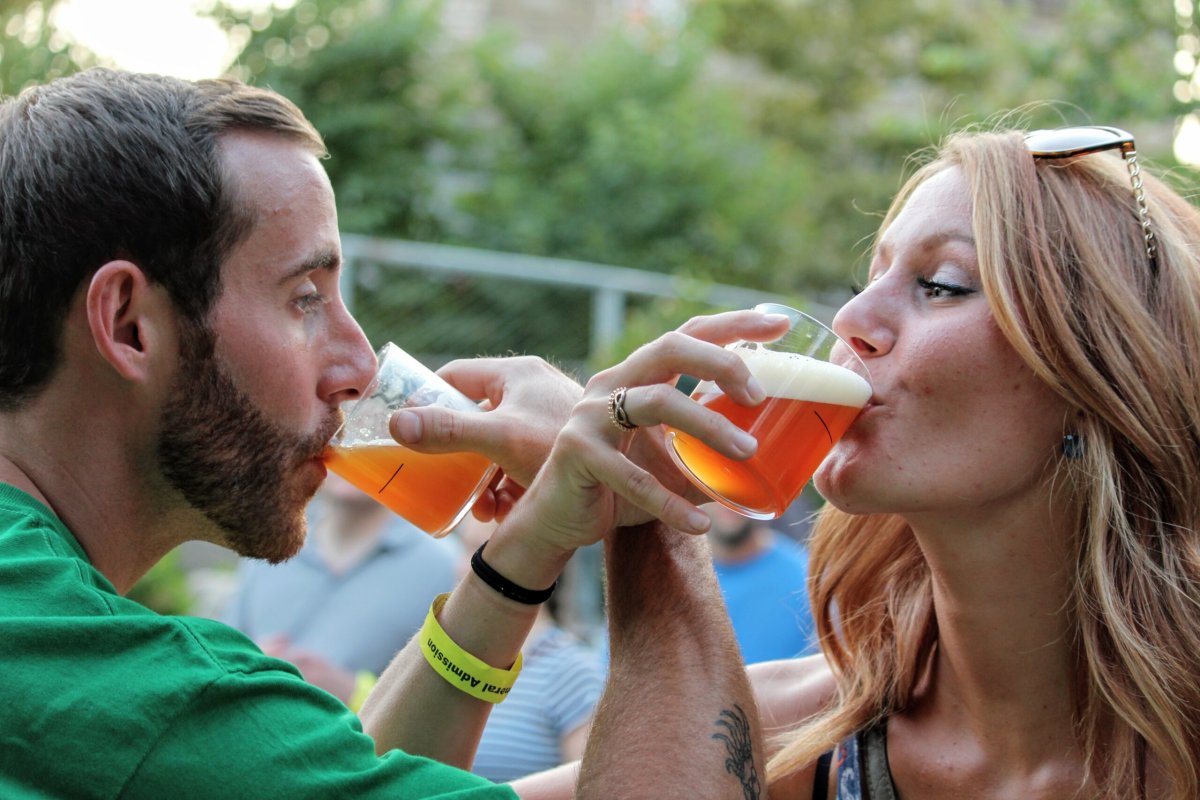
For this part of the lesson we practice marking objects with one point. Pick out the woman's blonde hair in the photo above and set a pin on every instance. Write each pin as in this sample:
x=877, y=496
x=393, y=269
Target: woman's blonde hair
x=1117, y=335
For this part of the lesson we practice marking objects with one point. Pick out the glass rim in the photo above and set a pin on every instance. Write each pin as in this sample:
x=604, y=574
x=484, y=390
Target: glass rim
x=796, y=316
x=348, y=407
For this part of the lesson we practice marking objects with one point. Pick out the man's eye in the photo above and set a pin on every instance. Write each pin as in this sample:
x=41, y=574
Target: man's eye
x=310, y=302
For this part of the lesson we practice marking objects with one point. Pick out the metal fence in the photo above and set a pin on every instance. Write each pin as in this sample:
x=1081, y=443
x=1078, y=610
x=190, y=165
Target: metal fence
x=441, y=302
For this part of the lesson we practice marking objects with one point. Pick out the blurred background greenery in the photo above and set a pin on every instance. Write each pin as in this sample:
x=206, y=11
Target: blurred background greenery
x=752, y=143
x=746, y=142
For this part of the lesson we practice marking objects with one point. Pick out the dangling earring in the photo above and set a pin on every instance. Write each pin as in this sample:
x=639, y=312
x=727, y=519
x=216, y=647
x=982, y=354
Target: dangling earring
x=1072, y=446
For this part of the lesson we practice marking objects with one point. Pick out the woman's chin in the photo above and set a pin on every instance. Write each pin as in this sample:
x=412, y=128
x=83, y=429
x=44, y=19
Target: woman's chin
x=841, y=484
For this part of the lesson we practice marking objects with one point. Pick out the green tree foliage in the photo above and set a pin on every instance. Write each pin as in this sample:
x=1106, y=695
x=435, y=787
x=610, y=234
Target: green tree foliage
x=31, y=51
x=622, y=156
x=638, y=152
x=625, y=155
x=164, y=588
x=373, y=80
x=758, y=146
x=938, y=63
x=859, y=85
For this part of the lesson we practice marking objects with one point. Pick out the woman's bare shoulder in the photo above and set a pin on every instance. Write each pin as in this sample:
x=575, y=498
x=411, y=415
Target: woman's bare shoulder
x=791, y=690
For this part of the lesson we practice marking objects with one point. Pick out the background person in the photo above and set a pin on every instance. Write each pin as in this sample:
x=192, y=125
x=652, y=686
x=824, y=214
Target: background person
x=357, y=591
x=762, y=575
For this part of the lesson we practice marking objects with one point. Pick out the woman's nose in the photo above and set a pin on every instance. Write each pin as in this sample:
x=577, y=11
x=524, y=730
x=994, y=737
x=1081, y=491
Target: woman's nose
x=861, y=324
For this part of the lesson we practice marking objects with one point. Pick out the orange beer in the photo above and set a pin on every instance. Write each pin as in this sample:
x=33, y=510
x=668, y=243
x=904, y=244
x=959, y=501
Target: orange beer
x=432, y=491
x=810, y=404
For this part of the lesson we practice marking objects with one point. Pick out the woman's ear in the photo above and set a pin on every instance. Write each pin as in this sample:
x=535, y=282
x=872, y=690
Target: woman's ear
x=127, y=317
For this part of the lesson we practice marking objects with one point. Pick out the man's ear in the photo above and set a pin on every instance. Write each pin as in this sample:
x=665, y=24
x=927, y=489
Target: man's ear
x=128, y=318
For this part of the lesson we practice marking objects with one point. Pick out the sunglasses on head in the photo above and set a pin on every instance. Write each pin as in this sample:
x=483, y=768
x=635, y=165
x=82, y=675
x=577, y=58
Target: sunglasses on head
x=1087, y=139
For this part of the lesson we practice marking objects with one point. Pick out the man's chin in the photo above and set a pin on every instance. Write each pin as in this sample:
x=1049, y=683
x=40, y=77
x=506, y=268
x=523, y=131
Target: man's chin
x=286, y=541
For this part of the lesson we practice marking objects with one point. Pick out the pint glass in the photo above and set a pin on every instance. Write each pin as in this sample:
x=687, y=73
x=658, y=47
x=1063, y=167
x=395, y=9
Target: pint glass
x=432, y=491
x=810, y=403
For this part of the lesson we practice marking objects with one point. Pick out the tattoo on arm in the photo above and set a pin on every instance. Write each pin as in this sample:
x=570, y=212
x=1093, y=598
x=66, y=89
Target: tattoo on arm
x=734, y=730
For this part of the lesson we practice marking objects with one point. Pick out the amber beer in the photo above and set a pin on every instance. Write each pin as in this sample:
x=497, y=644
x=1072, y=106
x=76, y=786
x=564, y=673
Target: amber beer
x=433, y=492
x=810, y=404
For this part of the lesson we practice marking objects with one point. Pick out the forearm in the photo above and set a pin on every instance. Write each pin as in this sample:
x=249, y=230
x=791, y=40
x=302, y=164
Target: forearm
x=415, y=708
x=678, y=717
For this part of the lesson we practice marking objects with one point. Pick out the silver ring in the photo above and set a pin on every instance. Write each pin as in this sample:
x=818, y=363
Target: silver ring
x=616, y=410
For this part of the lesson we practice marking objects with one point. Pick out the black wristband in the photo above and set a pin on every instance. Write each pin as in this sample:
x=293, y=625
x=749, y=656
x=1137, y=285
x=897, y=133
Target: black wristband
x=504, y=586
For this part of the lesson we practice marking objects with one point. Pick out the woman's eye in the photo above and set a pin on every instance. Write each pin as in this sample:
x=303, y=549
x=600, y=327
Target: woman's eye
x=938, y=289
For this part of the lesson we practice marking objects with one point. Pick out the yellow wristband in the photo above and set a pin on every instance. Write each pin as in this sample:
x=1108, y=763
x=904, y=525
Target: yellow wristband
x=462, y=670
x=364, y=682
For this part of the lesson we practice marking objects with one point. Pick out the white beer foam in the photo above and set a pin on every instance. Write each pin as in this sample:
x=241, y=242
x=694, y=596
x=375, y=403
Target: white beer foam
x=792, y=376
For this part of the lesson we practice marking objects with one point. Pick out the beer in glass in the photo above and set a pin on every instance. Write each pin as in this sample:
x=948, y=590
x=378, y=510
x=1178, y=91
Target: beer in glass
x=810, y=403
x=432, y=491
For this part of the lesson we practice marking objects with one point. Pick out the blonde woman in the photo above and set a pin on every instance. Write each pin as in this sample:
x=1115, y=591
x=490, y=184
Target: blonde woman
x=1007, y=577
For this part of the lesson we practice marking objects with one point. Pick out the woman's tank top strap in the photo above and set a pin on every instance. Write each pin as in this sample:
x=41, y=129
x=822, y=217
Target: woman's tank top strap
x=821, y=776
x=860, y=767
x=877, y=775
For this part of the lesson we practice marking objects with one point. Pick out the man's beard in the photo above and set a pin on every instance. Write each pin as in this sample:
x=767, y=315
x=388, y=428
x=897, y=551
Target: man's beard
x=230, y=462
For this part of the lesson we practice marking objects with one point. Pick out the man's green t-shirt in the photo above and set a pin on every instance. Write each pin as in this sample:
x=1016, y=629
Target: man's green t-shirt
x=101, y=697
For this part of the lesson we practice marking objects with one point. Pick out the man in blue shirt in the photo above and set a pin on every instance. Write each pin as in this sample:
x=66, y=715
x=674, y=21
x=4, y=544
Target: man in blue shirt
x=762, y=575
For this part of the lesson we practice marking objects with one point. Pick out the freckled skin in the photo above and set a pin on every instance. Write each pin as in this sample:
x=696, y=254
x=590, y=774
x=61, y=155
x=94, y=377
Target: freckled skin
x=960, y=420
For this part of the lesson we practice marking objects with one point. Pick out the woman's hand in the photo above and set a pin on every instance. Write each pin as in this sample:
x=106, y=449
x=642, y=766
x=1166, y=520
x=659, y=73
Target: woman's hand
x=599, y=477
